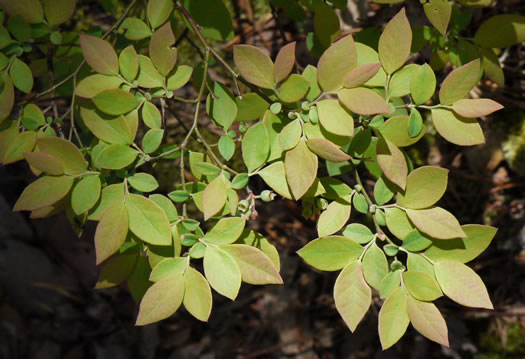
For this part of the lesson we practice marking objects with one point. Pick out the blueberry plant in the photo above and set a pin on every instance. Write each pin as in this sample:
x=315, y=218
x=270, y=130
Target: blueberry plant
x=309, y=133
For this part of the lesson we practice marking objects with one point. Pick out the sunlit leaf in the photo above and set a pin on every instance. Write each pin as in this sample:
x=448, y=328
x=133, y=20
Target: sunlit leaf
x=161, y=300
x=111, y=232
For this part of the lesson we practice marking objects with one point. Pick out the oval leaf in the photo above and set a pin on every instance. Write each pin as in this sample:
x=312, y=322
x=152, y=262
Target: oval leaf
x=161, y=300
x=330, y=253
x=425, y=186
x=222, y=272
x=427, y=320
x=148, y=221
x=395, y=42
x=255, y=266
x=254, y=65
x=111, y=232
x=99, y=54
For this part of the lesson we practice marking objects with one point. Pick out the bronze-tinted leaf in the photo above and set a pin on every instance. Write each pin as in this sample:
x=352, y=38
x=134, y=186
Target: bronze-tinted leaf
x=327, y=150
x=472, y=108
x=284, y=62
x=395, y=42
x=163, y=56
x=363, y=101
x=336, y=63
x=459, y=82
x=361, y=74
x=99, y=55
x=392, y=162
x=301, y=169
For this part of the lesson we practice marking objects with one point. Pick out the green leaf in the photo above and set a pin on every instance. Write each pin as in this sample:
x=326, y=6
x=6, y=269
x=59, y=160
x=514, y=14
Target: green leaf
x=275, y=177
x=415, y=241
x=17, y=146
x=92, y=85
x=111, y=232
x=361, y=74
x=462, y=284
x=358, y=233
x=436, y=222
x=426, y=319
x=330, y=253
x=352, y=295
x=65, y=152
x=416, y=262
x=284, y=62
x=392, y=162
x=162, y=54
x=111, y=130
x=425, y=186
x=400, y=82
x=396, y=130
x=471, y=108
x=149, y=76
x=492, y=67
x=129, y=63
x=58, y=11
x=375, y=266
x=336, y=63
x=99, y=54
x=382, y=192
x=416, y=127
x=334, y=118
x=29, y=10
x=161, y=300
x=143, y=182
x=421, y=286
x=310, y=73
x=197, y=296
x=423, y=83
x=463, y=250
x=222, y=107
x=254, y=65
x=226, y=231
x=214, y=197
x=459, y=82
x=363, y=101
x=255, y=266
x=116, y=271
x=301, y=169
x=367, y=55
x=226, y=147
x=85, y=194
x=152, y=140
x=501, y=31
x=326, y=24
x=168, y=267
x=135, y=29
x=167, y=206
x=393, y=318
x=110, y=196
x=115, y=101
x=213, y=18
x=7, y=96
x=148, y=221
x=456, y=129
x=116, y=157
x=255, y=147
x=397, y=222
x=250, y=107
x=360, y=203
x=294, y=88
x=151, y=115
x=180, y=78
x=395, y=42
x=19, y=28
x=438, y=13
x=138, y=282
x=389, y=284
x=43, y=192
x=158, y=12
x=21, y=75
x=222, y=272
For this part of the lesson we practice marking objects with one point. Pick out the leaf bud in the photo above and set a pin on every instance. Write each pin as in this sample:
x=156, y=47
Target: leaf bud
x=292, y=116
x=276, y=107
x=397, y=265
x=267, y=196
x=305, y=105
x=358, y=188
x=321, y=203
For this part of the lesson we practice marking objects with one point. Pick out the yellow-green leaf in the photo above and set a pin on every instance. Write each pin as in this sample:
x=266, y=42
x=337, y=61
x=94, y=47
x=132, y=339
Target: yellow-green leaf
x=301, y=169
x=85, y=194
x=352, y=295
x=459, y=82
x=162, y=54
x=436, y=222
x=113, y=130
x=44, y=162
x=161, y=300
x=327, y=150
x=425, y=186
x=336, y=63
x=421, y=286
x=65, y=152
x=148, y=221
x=397, y=222
x=392, y=162
x=334, y=118
x=457, y=129
x=274, y=175
x=149, y=76
x=197, y=296
x=222, y=272
x=393, y=318
x=111, y=232
x=255, y=266
x=214, y=197
x=254, y=65
x=330, y=253
x=115, y=101
x=92, y=85
x=462, y=284
x=396, y=130
x=426, y=319
x=226, y=231
x=375, y=266
x=395, y=42
x=501, y=31
x=255, y=147
x=423, y=84
x=43, y=192
x=438, y=13
x=58, y=11
x=158, y=11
